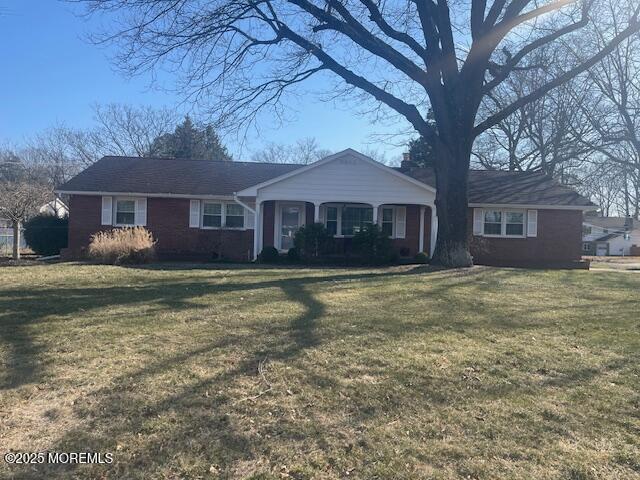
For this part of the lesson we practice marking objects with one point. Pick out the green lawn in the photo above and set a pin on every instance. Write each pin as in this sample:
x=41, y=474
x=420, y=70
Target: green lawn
x=184, y=372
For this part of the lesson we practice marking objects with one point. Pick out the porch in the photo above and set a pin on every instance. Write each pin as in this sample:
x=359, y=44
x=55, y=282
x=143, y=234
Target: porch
x=411, y=227
x=345, y=192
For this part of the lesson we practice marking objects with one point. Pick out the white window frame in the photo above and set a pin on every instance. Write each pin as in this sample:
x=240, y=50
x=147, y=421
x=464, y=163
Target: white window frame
x=503, y=220
x=339, y=207
x=115, y=211
x=586, y=247
x=223, y=212
x=202, y=214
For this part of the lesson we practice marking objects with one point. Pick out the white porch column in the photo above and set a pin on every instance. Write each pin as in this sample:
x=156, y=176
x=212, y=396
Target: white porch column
x=376, y=207
x=434, y=230
x=421, y=235
x=257, y=230
x=316, y=213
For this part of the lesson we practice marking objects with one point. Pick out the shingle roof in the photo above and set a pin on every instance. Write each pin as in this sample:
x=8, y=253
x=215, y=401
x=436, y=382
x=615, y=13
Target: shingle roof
x=172, y=176
x=206, y=177
x=511, y=188
x=612, y=222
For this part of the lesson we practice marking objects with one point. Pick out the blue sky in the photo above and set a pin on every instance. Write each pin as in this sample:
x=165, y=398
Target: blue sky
x=51, y=74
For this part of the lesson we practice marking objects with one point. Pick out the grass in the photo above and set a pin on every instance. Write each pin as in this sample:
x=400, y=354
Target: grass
x=271, y=373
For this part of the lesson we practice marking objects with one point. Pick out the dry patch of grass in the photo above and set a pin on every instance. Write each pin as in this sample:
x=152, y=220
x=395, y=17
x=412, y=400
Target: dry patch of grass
x=308, y=373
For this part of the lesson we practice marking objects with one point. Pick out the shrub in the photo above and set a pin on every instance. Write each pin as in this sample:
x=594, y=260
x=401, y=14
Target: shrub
x=46, y=234
x=293, y=255
x=312, y=241
x=374, y=245
x=421, y=257
x=269, y=255
x=123, y=246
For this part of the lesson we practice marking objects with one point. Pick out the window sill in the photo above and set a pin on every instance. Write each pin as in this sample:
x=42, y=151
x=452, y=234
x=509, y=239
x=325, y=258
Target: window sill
x=240, y=229
x=503, y=236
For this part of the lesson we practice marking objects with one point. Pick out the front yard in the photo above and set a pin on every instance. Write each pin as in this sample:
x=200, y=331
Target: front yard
x=307, y=373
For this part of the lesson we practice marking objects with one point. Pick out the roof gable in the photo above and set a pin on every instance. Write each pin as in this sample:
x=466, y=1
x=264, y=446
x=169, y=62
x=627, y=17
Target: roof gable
x=345, y=157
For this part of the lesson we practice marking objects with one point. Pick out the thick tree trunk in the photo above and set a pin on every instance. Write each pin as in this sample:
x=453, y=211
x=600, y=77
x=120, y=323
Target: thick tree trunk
x=452, y=172
x=16, y=240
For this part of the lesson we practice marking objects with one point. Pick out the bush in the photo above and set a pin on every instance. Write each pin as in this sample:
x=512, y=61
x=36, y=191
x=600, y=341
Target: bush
x=421, y=257
x=293, y=255
x=374, y=246
x=269, y=255
x=46, y=234
x=312, y=241
x=122, y=246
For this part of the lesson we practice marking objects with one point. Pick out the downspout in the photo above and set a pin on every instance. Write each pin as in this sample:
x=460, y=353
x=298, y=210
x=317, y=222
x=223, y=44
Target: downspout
x=241, y=203
x=256, y=221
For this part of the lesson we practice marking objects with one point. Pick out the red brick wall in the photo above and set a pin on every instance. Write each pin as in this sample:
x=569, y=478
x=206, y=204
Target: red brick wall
x=85, y=217
x=269, y=209
x=168, y=221
x=559, y=240
x=411, y=243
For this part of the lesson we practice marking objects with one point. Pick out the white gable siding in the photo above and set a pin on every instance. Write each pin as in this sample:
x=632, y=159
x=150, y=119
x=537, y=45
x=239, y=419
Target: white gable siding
x=347, y=179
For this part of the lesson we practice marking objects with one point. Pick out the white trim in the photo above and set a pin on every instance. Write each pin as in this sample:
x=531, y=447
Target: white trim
x=253, y=190
x=497, y=206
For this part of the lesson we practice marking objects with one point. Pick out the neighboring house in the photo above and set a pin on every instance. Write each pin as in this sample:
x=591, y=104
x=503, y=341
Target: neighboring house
x=609, y=235
x=55, y=207
x=203, y=209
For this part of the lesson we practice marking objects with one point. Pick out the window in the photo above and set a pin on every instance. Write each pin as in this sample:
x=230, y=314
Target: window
x=125, y=212
x=212, y=215
x=586, y=230
x=235, y=216
x=332, y=220
x=586, y=247
x=492, y=222
x=387, y=221
x=514, y=224
x=355, y=218
x=504, y=223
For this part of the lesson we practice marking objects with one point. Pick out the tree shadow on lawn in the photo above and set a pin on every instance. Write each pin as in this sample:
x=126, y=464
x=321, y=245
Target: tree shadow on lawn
x=168, y=431
x=21, y=310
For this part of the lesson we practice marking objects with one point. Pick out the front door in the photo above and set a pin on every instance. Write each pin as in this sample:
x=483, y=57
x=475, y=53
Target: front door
x=290, y=220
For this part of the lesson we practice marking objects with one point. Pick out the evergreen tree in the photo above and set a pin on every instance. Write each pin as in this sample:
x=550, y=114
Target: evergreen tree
x=189, y=141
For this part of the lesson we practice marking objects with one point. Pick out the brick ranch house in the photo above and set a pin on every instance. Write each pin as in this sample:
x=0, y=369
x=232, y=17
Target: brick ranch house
x=203, y=210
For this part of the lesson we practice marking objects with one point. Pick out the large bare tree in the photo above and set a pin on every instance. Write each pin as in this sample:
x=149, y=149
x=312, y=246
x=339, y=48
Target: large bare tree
x=408, y=55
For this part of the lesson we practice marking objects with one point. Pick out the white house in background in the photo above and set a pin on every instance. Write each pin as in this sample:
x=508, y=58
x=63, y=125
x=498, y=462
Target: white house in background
x=609, y=235
x=55, y=207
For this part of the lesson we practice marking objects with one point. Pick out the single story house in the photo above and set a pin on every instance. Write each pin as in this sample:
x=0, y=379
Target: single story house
x=610, y=235
x=202, y=209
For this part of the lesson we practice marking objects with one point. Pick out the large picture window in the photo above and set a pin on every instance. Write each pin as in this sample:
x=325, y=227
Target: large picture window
x=125, y=212
x=354, y=219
